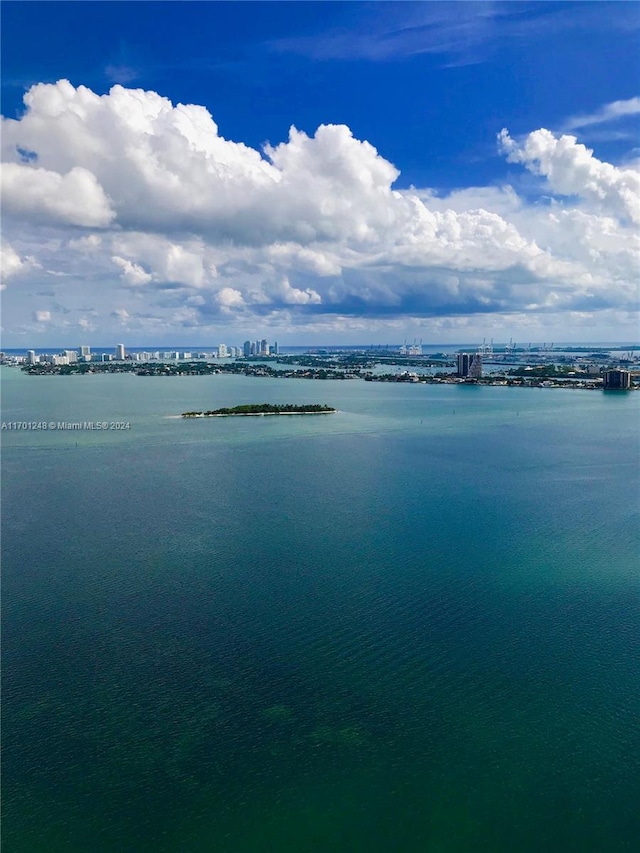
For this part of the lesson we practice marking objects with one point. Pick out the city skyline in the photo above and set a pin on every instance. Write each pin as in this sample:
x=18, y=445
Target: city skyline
x=402, y=348
x=352, y=173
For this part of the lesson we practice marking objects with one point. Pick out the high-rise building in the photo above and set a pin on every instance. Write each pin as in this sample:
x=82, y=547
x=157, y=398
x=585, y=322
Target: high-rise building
x=475, y=368
x=32, y=358
x=222, y=351
x=464, y=363
x=275, y=349
x=72, y=355
x=264, y=347
x=617, y=380
x=246, y=349
x=120, y=352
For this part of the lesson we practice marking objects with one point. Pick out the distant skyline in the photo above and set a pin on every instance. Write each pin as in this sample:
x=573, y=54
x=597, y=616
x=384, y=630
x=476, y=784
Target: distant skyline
x=426, y=345
x=324, y=173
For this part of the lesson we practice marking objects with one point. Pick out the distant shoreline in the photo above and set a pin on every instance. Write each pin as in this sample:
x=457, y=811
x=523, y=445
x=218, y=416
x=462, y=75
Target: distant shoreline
x=310, y=368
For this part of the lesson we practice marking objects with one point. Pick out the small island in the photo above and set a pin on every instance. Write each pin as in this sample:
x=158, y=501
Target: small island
x=263, y=409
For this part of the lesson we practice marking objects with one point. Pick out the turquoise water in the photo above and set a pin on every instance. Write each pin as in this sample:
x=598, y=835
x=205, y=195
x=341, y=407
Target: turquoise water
x=409, y=626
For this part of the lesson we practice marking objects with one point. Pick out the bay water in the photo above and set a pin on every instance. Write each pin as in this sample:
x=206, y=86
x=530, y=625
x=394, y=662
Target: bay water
x=412, y=625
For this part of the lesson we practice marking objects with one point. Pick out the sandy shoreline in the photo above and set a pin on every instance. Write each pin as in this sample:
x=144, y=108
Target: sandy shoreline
x=248, y=415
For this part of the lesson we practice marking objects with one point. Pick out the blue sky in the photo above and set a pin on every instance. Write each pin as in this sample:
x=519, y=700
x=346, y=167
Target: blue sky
x=473, y=235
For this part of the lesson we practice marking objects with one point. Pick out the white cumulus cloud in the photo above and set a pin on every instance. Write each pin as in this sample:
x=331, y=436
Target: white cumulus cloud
x=571, y=169
x=229, y=297
x=132, y=273
x=41, y=195
x=294, y=295
x=10, y=262
x=131, y=200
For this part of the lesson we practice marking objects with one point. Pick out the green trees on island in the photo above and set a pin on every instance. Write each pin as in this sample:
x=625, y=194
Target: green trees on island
x=264, y=409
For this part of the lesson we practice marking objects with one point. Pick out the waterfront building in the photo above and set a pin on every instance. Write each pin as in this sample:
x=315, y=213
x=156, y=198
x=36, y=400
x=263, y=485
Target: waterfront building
x=464, y=363
x=617, y=380
x=32, y=358
x=275, y=348
x=72, y=355
x=84, y=351
x=264, y=347
x=186, y=356
x=246, y=349
x=222, y=351
x=475, y=368
x=120, y=352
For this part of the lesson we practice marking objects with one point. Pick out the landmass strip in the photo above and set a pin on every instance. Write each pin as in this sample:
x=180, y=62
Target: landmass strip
x=263, y=409
x=598, y=372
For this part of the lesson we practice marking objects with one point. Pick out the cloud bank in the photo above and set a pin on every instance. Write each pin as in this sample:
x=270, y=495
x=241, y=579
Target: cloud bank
x=132, y=210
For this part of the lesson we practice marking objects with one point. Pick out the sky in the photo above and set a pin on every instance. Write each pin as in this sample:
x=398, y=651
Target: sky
x=196, y=173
